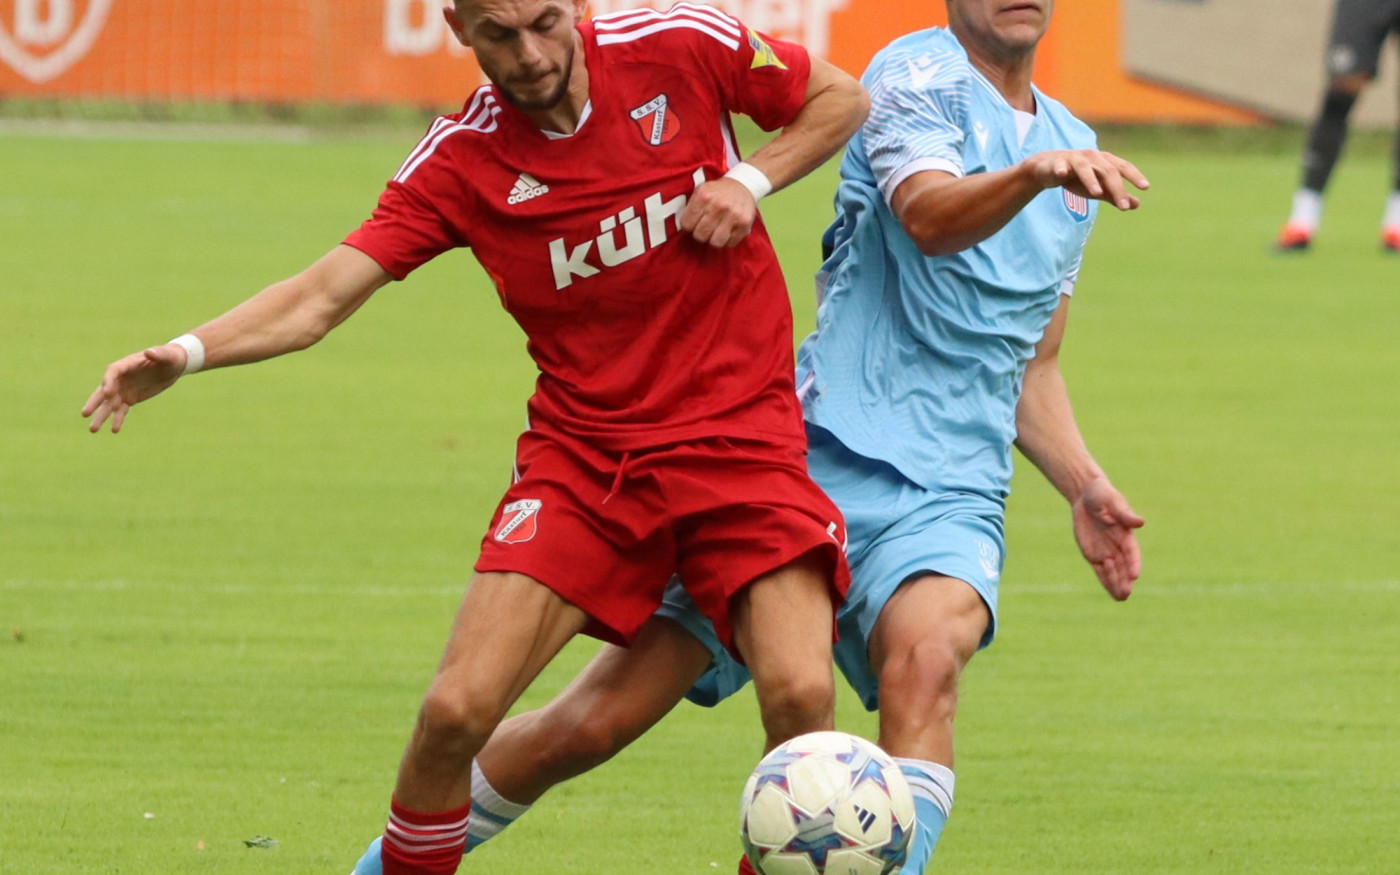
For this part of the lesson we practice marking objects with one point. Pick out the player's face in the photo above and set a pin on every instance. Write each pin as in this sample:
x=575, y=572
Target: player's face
x=525, y=47
x=1004, y=29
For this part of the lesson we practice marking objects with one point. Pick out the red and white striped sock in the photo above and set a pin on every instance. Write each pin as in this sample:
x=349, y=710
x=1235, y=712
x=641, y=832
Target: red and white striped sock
x=423, y=844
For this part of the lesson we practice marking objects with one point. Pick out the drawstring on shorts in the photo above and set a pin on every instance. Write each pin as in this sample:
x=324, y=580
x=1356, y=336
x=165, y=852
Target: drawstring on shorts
x=617, y=480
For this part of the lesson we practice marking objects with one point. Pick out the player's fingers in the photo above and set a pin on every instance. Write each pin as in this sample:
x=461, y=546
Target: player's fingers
x=93, y=401
x=738, y=231
x=119, y=417
x=1113, y=189
x=1133, y=560
x=691, y=215
x=1121, y=513
x=705, y=230
x=1104, y=569
x=1117, y=584
x=99, y=416
x=1088, y=178
x=1130, y=172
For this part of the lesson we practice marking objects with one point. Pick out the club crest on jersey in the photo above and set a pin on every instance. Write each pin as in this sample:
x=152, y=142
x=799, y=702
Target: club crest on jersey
x=657, y=122
x=1078, y=205
x=763, y=54
x=519, y=521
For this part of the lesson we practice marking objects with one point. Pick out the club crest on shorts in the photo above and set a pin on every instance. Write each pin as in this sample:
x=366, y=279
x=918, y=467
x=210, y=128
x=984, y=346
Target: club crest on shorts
x=1078, y=205
x=519, y=521
x=656, y=120
x=990, y=557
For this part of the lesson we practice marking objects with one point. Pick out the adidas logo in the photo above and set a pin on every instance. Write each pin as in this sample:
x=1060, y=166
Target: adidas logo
x=526, y=187
x=865, y=817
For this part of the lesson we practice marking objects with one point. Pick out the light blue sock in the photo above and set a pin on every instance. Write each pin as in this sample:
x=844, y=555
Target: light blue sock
x=932, y=786
x=369, y=864
x=490, y=813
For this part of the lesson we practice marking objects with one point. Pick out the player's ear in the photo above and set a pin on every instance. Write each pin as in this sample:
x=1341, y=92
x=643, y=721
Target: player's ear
x=454, y=21
x=580, y=10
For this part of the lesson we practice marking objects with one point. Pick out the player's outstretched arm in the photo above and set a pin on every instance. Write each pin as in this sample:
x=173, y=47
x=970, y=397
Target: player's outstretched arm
x=1104, y=522
x=722, y=211
x=943, y=213
x=286, y=316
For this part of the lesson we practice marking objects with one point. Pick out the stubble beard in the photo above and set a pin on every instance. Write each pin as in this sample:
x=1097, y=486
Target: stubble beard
x=549, y=101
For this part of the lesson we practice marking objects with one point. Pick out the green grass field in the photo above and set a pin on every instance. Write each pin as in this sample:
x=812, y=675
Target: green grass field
x=217, y=625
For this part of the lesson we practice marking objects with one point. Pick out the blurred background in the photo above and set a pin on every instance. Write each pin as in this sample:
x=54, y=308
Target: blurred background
x=1233, y=62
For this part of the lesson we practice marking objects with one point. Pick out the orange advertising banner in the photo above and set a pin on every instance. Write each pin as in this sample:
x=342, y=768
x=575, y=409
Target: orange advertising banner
x=402, y=52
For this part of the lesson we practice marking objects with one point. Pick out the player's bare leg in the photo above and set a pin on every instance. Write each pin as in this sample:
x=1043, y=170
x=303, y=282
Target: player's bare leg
x=619, y=696
x=925, y=636
x=782, y=627
x=508, y=627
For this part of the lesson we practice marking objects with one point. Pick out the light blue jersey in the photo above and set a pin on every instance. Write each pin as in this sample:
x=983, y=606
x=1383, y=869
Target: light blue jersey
x=917, y=361
x=912, y=377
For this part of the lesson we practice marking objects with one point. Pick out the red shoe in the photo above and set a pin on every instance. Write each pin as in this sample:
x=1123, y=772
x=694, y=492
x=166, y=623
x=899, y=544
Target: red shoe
x=1390, y=238
x=1294, y=238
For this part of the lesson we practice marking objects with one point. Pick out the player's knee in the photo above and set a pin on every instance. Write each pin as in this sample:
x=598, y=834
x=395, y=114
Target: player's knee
x=453, y=727
x=924, y=677
x=798, y=703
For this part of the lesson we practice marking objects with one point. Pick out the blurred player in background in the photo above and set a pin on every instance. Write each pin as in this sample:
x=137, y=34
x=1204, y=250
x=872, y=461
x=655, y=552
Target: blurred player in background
x=1359, y=31
x=665, y=433
x=962, y=214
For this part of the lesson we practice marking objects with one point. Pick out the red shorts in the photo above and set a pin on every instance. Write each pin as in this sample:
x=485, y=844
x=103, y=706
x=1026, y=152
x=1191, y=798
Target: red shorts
x=606, y=530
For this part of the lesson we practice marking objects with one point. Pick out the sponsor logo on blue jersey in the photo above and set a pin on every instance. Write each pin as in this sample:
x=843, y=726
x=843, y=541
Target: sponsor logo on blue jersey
x=1077, y=205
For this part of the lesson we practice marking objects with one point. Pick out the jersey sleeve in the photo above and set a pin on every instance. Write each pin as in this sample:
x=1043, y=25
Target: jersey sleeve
x=403, y=233
x=759, y=76
x=768, y=79
x=406, y=229
x=918, y=106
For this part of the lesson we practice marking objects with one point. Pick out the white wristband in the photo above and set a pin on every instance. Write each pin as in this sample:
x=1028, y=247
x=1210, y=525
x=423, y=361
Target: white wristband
x=194, y=352
x=752, y=178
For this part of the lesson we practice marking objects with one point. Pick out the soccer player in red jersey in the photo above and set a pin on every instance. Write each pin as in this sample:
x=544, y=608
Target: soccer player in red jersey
x=597, y=179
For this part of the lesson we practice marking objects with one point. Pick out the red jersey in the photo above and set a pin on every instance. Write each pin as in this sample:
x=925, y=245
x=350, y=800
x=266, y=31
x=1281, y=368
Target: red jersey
x=642, y=335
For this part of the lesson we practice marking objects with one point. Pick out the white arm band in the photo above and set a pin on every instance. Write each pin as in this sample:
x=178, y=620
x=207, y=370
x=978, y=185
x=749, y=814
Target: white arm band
x=194, y=352
x=752, y=178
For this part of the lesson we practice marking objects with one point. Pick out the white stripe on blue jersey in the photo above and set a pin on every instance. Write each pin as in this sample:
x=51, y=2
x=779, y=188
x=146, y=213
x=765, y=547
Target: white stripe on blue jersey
x=919, y=98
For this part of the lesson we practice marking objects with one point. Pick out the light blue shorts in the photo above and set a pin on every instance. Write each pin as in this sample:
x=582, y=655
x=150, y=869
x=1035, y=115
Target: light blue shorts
x=898, y=530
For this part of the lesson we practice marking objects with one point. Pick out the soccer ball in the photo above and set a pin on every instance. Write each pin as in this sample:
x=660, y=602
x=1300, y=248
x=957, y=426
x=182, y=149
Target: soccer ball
x=826, y=803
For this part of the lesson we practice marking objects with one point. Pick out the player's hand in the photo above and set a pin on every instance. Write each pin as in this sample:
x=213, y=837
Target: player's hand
x=1103, y=527
x=132, y=380
x=720, y=213
x=1097, y=175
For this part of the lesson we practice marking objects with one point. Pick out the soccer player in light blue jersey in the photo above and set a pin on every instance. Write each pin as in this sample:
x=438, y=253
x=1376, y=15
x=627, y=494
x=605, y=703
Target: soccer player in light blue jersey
x=962, y=214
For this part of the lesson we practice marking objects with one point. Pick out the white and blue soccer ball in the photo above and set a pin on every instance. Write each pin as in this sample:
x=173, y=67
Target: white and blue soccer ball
x=826, y=803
